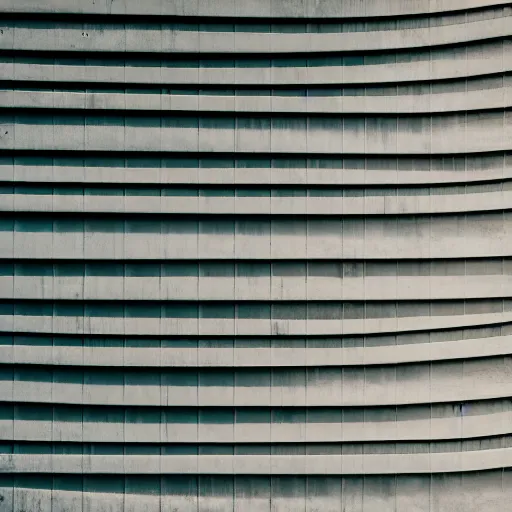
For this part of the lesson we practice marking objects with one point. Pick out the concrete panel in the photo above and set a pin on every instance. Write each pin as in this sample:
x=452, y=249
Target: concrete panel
x=272, y=273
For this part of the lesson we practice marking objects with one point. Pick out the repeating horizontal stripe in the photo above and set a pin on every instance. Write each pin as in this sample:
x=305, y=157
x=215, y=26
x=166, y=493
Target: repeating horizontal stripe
x=209, y=429
x=437, y=382
x=241, y=288
x=210, y=426
x=255, y=256
x=221, y=354
x=449, y=134
x=484, y=94
x=161, y=38
x=257, y=202
x=486, y=492
x=245, y=354
x=472, y=60
x=446, y=236
x=54, y=167
x=257, y=464
x=74, y=322
x=265, y=8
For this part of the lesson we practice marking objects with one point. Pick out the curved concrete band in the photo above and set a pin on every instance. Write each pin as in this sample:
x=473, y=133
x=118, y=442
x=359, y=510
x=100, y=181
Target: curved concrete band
x=264, y=8
x=255, y=256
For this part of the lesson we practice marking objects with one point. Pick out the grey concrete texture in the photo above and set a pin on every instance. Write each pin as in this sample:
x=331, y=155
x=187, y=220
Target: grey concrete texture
x=417, y=383
x=374, y=237
x=424, y=64
x=475, y=169
x=487, y=492
x=473, y=94
x=255, y=256
x=262, y=201
x=73, y=284
x=439, y=134
x=248, y=38
x=398, y=426
x=260, y=8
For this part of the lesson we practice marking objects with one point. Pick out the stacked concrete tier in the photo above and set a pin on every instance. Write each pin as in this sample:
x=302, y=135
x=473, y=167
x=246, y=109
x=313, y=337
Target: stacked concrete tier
x=255, y=256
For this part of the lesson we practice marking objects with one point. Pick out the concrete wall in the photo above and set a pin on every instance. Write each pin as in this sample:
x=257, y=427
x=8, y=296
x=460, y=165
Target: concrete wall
x=255, y=256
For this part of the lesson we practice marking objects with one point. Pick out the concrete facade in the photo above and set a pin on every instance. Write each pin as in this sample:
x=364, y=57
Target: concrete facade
x=255, y=256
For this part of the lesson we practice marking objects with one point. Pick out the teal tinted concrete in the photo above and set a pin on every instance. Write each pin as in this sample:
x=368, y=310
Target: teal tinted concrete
x=269, y=274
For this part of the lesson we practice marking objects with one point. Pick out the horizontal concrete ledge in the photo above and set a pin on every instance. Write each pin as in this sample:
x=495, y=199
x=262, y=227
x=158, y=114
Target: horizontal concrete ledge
x=165, y=174
x=224, y=355
x=81, y=239
x=484, y=99
x=390, y=203
x=261, y=430
x=259, y=464
x=236, y=134
x=264, y=8
x=243, y=288
x=157, y=287
x=168, y=38
x=428, y=383
x=465, y=62
x=233, y=327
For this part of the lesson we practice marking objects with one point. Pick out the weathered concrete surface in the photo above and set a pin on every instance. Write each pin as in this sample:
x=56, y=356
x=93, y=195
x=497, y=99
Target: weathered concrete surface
x=261, y=8
x=255, y=265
